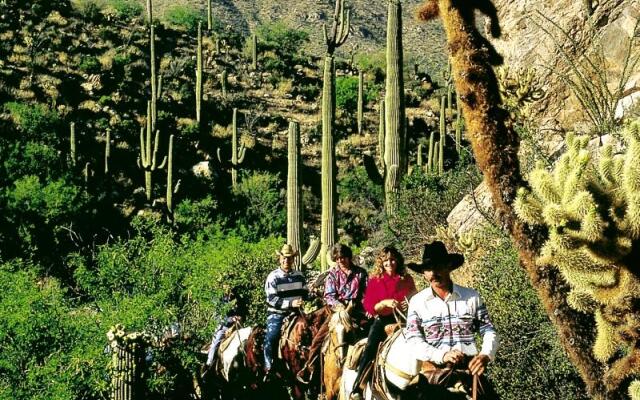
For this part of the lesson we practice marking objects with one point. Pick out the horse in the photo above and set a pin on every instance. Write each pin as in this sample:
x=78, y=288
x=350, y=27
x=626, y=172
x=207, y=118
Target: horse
x=398, y=375
x=341, y=326
x=294, y=345
x=226, y=379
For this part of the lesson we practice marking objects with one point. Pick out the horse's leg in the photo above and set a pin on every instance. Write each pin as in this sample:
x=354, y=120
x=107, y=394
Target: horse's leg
x=331, y=375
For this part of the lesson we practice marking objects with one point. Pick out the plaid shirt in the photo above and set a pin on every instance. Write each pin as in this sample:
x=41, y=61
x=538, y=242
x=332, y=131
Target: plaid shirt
x=340, y=287
x=435, y=326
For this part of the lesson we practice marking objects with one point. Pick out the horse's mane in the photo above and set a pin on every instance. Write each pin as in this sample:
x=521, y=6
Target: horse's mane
x=341, y=317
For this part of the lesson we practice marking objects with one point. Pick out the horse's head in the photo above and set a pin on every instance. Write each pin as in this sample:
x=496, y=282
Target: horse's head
x=340, y=326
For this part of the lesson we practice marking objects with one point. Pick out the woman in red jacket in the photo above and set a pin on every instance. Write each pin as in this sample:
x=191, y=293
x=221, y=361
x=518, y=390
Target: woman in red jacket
x=388, y=288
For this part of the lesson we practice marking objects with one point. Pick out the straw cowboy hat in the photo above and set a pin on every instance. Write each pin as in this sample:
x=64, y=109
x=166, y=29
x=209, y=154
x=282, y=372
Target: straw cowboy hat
x=287, y=251
x=436, y=257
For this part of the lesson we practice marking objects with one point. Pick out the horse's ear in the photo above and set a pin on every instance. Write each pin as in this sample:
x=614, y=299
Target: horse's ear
x=350, y=306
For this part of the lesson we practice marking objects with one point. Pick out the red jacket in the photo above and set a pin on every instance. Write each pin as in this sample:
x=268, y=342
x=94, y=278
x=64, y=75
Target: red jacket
x=387, y=287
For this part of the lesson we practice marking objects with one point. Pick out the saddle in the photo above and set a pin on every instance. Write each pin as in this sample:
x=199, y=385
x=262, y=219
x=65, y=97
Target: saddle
x=287, y=326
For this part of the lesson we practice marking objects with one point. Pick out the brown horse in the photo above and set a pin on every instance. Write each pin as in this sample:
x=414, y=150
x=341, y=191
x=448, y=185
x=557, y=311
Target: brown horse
x=295, y=347
x=341, y=327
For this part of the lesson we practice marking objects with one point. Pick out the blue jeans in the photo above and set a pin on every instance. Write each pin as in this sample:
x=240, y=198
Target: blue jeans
x=217, y=338
x=274, y=325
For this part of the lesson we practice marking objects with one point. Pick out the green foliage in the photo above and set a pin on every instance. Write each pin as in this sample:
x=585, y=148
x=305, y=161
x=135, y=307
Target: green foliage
x=126, y=9
x=259, y=204
x=347, y=93
x=183, y=16
x=360, y=204
x=48, y=350
x=35, y=121
x=195, y=215
x=89, y=65
x=425, y=200
x=280, y=45
x=35, y=213
x=372, y=64
x=529, y=347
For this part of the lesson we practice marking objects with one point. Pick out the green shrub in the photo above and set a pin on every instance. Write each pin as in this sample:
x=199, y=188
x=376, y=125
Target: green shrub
x=373, y=64
x=259, y=208
x=183, y=16
x=126, y=9
x=284, y=42
x=347, y=93
x=89, y=65
x=530, y=363
x=360, y=204
x=425, y=200
x=49, y=351
x=35, y=121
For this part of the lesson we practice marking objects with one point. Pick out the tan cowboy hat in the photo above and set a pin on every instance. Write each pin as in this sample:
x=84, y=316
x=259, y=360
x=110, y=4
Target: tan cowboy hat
x=287, y=251
x=435, y=257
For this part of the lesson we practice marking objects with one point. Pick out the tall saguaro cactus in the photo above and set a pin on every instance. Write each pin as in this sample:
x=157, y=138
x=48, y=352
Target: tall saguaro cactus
x=107, y=151
x=127, y=364
x=72, y=143
x=395, y=159
x=294, y=200
x=149, y=153
x=209, y=16
x=360, y=102
x=334, y=39
x=237, y=151
x=171, y=189
x=254, y=52
x=199, y=73
x=154, y=82
x=223, y=82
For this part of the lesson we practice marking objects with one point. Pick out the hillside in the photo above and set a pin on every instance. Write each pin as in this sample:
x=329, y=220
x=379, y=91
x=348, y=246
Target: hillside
x=424, y=43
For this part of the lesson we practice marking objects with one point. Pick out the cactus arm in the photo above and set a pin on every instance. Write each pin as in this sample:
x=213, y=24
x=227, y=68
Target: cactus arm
x=312, y=252
x=241, y=153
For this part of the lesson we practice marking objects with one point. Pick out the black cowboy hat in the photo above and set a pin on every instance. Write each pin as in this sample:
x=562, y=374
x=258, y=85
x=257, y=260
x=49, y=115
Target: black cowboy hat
x=436, y=257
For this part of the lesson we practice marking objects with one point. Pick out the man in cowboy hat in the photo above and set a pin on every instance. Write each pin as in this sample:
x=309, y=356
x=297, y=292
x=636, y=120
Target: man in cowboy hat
x=285, y=290
x=443, y=318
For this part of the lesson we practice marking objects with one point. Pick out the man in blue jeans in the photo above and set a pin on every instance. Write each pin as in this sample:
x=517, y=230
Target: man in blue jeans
x=285, y=290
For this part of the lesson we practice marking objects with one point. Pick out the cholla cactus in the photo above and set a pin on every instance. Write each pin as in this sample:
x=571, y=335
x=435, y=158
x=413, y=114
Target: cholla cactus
x=592, y=211
x=126, y=363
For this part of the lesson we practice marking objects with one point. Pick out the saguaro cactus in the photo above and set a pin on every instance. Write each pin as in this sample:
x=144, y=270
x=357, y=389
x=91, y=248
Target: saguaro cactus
x=223, y=83
x=294, y=200
x=395, y=153
x=254, y=52
x=458, y=125
x=209, y=16
x=171, y=189
x=381, y=133
x=149, y=153
x=72, y=143
x=154, y=88
x=237, y=151
x=360, y=115
x=127, y=363
x=430, y=157
x=337, y=37
x=107, y=151
x=199, y=73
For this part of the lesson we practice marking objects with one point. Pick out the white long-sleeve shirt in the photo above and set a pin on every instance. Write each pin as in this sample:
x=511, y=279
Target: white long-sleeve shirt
x=435, y=326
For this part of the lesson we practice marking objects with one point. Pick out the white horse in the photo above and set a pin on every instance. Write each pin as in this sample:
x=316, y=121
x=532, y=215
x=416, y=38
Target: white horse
x=396, y=375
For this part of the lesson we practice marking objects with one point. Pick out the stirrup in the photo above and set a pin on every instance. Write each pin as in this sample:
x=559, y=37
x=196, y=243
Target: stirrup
x=355, y=396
